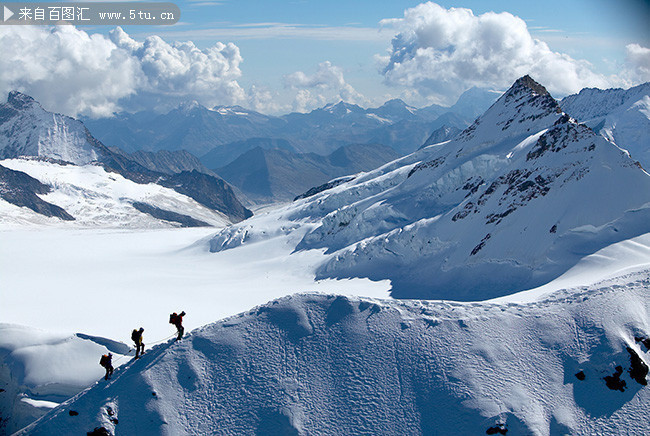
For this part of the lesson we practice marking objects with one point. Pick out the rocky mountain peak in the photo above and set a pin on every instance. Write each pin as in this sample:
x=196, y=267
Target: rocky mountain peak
x=527, y=83
x=18, y=100
x=526, y=107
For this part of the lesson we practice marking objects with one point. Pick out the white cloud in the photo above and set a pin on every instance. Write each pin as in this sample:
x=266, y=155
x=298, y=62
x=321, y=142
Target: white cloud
x=637, y=61
x=441, y=52
x=264, y=100
x=73, y=72
x=181, y=71
x=66, y=69
x=327, y=84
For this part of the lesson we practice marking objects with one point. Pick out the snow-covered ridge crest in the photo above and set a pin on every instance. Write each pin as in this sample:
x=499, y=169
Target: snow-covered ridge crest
x=325, y=364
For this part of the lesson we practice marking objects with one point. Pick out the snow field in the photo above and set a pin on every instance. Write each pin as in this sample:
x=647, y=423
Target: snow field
x=107, y=282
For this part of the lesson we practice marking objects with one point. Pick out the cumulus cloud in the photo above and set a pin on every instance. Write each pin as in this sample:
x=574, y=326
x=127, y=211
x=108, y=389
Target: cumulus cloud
x=637, y=61
x=73, y=72
x=441, y=52
x=181, y=71
x=66, y=69
x=264, y=100
x=325, y=85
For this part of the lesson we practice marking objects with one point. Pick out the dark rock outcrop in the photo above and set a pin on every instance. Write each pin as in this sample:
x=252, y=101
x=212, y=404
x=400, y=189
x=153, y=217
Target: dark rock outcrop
x=614, y=381
x=21, y=190
x=638, y=368
x=166, y=215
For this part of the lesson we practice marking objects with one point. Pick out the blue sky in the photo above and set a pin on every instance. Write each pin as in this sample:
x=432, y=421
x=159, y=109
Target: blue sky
x=297, y=55
x=347, y=33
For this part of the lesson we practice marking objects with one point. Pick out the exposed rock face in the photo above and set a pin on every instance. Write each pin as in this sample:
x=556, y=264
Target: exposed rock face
x=209, y=191
x=22, y=190
x=166, y=215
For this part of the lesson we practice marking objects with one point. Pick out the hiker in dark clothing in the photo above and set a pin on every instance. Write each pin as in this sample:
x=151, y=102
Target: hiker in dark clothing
x=107, y=362
x=177, y=320
x=136, y=335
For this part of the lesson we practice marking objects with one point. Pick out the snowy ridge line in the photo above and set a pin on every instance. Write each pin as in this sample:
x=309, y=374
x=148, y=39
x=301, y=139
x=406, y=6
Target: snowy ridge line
x=148, y=344
x=315, y=363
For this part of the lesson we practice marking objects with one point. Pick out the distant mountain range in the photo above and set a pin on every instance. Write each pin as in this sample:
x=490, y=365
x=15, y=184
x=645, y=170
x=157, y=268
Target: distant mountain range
x=40, y=148
x=509, y=204
x=266, y=175
x=203, y=131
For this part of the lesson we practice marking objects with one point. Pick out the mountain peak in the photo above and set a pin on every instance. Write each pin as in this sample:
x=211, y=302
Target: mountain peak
x=189, y=106
x=527, y=82
x=342, y=108
x=19, y=100
x=395, y=102
x=526, y=107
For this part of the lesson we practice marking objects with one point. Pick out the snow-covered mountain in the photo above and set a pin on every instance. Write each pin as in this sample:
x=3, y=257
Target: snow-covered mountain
x=394, y=110
x=573, y=363
x=514, y=201
x=474, y=101
x=444, y=133
x=52, y=155
x=622, y=116
x=26, y=129
x=518, y=198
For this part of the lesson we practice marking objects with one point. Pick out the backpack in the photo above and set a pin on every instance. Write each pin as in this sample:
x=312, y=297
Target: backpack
x=172, y=318
x=135, y=335
x=103, y=361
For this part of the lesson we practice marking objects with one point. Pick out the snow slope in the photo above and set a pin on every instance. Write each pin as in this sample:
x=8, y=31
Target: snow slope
x=622, y=258
x=513, y=202
x=324, y=364
x=97, y=198
x=622, y=116
x=40, y=369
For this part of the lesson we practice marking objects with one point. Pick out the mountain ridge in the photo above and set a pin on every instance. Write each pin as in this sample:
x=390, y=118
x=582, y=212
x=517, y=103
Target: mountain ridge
x=324, y=364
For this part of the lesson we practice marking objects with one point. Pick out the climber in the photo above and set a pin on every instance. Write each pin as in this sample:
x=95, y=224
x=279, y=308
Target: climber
x=107, y=362
x=177, y=320
x=136, y=335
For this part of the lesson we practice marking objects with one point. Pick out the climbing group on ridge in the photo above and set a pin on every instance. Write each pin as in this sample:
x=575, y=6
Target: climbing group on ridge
x=106, y=361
